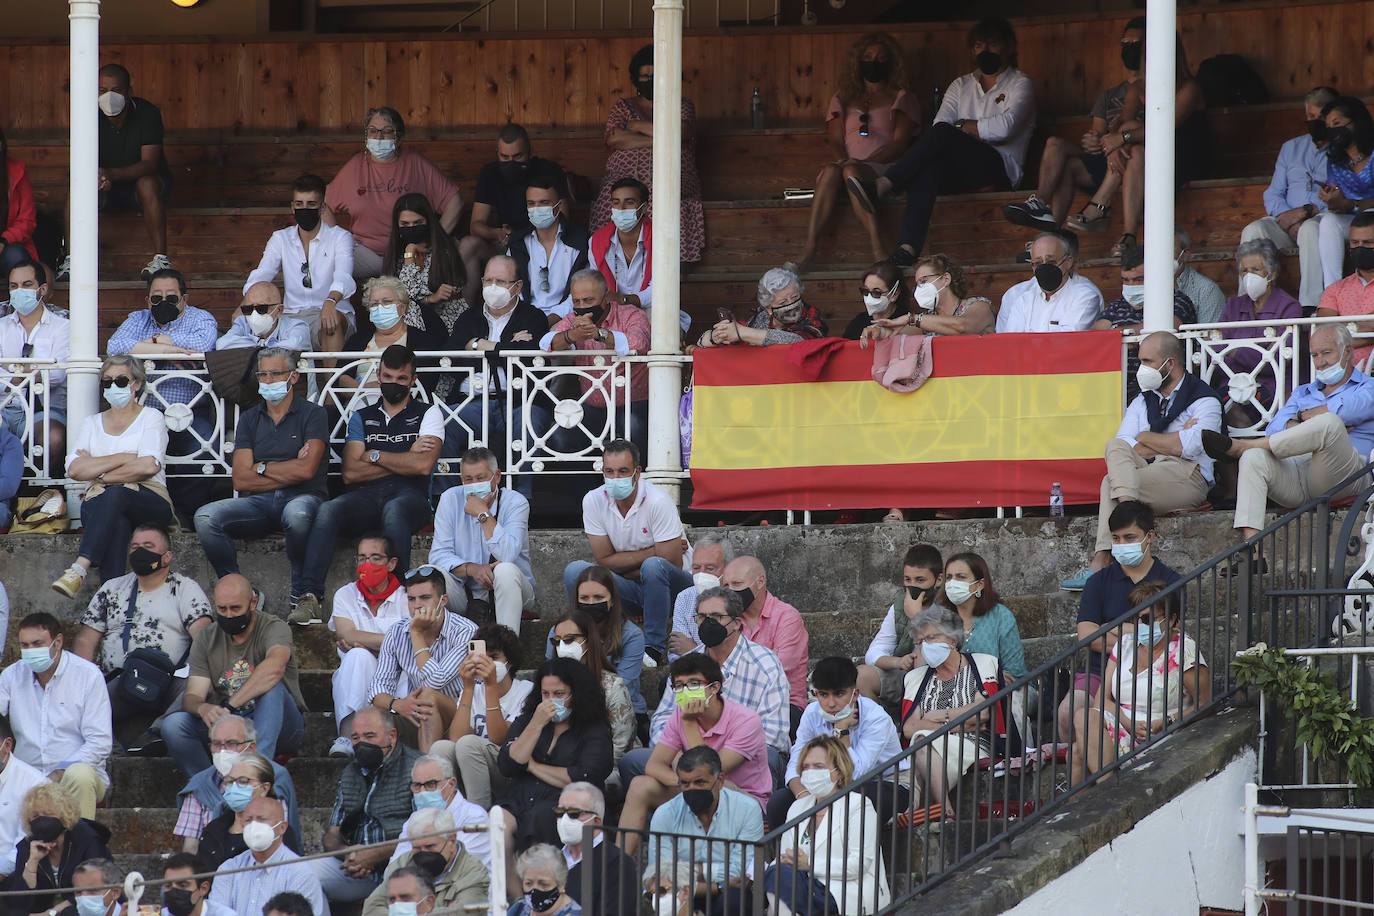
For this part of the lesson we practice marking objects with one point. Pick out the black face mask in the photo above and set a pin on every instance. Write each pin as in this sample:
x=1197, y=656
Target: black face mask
x=433, y=863
x=916, y=593
x=369, y=756
x=46, y=829
x=1337, y=139
x=712, y=632
x=393, y=392
x=1131, y=52
x=874, y=71
x=543, y=901
x=1049, y=276
x=144, y=561
x=234, y=625
x=164, y=313
x=646, y=88
x=746, y=596
x=513, y=171
x=698, y=801
x=1316, y=129
x=177, y=901
x=1362, y=258
x=307, y=218
x=413, y=235
x=989, y=62
x=596, y=610
x=594, y=313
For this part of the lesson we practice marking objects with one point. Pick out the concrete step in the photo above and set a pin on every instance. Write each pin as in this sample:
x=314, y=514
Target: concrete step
x=153, y=782
x=147, y=830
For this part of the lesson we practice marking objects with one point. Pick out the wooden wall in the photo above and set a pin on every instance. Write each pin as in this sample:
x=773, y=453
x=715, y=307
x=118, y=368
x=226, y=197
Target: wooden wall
x=571, y=79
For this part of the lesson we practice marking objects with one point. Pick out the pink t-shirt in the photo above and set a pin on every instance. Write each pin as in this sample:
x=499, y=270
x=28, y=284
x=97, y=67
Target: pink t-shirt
x=739, y=730
x=1350, y=296
x=881, y=124
x=368, y=189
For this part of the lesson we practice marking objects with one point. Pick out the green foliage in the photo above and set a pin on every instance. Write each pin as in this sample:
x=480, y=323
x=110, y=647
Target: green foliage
x=1325, y=721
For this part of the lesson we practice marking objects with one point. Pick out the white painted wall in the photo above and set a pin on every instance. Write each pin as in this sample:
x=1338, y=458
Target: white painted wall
x=1185, y=855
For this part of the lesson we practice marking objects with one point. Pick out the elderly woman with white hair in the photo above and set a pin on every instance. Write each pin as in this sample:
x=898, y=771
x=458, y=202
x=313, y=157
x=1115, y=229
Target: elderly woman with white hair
x=1258, y=298
x=387, y=302
x=543, y=874
x=671, y=886
x=782, y=317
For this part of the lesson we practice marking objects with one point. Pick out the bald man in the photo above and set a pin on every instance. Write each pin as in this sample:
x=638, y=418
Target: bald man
x=260, y=323
x=772, y=623
x=245, y=665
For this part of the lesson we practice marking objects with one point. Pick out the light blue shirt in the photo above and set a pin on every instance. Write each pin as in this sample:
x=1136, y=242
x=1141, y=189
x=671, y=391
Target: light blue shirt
x=871, y=742
x=1353, y=402
x=247, y=892
x=1298, y=173
x=738, y=817
x=289, y=332
x=458, y=537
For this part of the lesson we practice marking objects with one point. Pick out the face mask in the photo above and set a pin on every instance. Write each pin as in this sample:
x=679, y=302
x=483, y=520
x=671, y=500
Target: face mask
x=646, y=89
x=594, y=313
x=258, y=836
x=935, y=653
x=432, y=862
x=1130, y=55
x=625, y=220
x=989, y=62
x=704, y=580
x=1145, y=634
x=234, y=625
x=1148, y=378
x=381, y=149
x=1362, y=258
x=833, y=717
x=1338, y=138
x=572, y=650
x=224, y=761
x=1331, y=374
x=403, y=908
x=560, y=708
x=273, y=392
x=261, y=325
x=164, y=313
x=665, y=905
x=237, y=797
x=368, y=755
x=917, y=593
x=120, y=397
x=91, y=905
x=306, y=217
x=371, y=576
x=1049, y=276
x=817, y=783
x=569, y=830
x=620, y=487
x=1316, y=129
x=495, y=297
x=177, y=901
x=413, y=235
x=698, y=801
x=876, y=304
x=789, y=315
x=1129, y=554
x=542, y=217
x=1254, y=285
x=957, y=591
x=24, y=300
x=687, y=695
x=513, y=172
x=1134, y=293
x=39, y=659
x=746, y=596
x=384, y=317
x=142, y=560
x=112, y=104
x=711, y=632
x=874, y=71
x=393, y=392
x=501, y=670
x=596, y=610
x=429, y=799
x=926, y=295
x=480, y=489
x=543, y=901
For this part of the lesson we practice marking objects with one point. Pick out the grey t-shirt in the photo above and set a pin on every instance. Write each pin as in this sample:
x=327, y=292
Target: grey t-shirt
x=162, y=617
x=215, y=656
x=1110, y=102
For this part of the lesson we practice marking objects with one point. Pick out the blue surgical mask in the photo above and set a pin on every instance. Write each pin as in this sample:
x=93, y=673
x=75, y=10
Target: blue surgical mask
x=560, y=710
x=384, y=317
x=480, y=489
x=1331, y=374
x=24, y=300
x=39, y=659
x=1148, y=634
x=542, y=217
x=272, y=392
x=237, y=797
x=625, y=220
x=620, y=487
x=403, y=908
x=381, y=149
x=434, y=799
x=833, y=717
x=1129, y=554
x=119, y=397
x=1133, y=293
x=91, y=905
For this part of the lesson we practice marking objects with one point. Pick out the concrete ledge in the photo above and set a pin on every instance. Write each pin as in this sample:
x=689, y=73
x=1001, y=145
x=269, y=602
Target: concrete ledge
x=1093, y=820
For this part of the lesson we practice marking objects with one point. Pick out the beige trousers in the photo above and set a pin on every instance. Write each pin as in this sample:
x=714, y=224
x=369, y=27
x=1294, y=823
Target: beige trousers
x=1307, y=459
x=474, y=760
x=1166, y=484
x=87, y=786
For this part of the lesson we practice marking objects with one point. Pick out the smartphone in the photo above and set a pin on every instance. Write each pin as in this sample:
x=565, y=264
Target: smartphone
x=477, y=647
x=724, y=314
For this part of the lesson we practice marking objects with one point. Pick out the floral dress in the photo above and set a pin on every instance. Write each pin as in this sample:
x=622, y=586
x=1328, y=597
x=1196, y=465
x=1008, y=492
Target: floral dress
x=639, y=164
x=1155, y=693
x=415, y=278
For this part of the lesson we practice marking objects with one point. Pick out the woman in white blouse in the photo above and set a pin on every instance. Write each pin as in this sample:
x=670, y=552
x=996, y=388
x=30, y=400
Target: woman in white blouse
x=121, y=453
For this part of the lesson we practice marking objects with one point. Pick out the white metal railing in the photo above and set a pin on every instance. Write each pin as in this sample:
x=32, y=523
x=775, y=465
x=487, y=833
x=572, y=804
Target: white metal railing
x=25, y=386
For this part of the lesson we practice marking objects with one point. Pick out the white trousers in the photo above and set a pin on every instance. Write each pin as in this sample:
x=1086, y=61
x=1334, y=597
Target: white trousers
x=352, y=681
x=514, y=593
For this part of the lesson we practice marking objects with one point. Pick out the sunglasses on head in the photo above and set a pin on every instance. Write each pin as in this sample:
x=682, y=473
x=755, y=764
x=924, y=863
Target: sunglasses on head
x=420, y=573
x=863, y=124
x=262, y=308
x=173, y=299
x=119, y=381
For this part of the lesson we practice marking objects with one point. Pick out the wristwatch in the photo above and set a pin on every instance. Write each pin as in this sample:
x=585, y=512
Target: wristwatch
x=483, y=517
x=374, y=456
x=603, y=335
x=261, y=468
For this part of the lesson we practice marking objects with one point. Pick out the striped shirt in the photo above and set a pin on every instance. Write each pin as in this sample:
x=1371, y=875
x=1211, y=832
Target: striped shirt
x=440, y=672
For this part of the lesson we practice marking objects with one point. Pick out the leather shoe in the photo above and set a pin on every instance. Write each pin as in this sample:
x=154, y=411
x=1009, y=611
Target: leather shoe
x=1216, y=445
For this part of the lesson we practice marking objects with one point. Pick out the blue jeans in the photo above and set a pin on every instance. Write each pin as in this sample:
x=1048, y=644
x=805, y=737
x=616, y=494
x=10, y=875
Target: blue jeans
x=279, y=723
x=799, y=891
x=253, y=516
x=108, y=521
x=653, y=593
x=457, y=440
x=394, y=504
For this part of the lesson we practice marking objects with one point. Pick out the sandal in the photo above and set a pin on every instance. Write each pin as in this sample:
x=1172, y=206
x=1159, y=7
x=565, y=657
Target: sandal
x=1127, y=240
x=1083, y=221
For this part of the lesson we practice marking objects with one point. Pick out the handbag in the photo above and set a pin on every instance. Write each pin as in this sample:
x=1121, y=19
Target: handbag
x=145, y=683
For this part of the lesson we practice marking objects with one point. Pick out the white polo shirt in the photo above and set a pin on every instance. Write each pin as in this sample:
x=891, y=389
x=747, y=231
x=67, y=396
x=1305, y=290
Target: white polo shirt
x=350, y=605
x=1072, y=307
x=652, y=518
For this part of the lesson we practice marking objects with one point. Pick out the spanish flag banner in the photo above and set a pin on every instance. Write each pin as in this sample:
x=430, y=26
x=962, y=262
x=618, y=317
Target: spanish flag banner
x=1000, y=420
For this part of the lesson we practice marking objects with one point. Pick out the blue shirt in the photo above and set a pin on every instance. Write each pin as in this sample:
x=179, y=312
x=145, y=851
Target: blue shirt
x=458, y=537
x=737, y=817
x=289, y=332
x=1353, y=402
x=11, y=471
x=194, y=329
x=871, y=742
x=1298, y=174
x=1104, y=598
x=1354, y=185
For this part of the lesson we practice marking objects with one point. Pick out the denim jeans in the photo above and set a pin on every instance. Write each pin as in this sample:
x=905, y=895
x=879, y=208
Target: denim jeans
x=108, y=521
x=653, y=593
x=394, y=504
x=253, y=516
x=279, y=723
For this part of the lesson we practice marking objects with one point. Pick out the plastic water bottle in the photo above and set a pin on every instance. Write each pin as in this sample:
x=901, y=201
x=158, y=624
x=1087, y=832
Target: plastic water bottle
x=1056, y=500
x=756, y=111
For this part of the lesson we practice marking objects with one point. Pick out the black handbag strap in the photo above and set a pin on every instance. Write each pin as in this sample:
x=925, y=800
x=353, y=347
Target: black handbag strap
x=129, y=613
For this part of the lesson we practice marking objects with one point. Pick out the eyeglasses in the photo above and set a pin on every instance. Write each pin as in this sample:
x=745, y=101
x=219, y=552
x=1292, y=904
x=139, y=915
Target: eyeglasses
x=173, y=299
x=305, y=275
x=863, y=124
x=429, y=786
x=875, y=293
x=492, y=281
x=544, y=286
x=376, y=559
x=718, y=618
x=386, y=133
x=577, y=813
x=119, y=381
x=269, y=375
x=262, y=308
x=245, y=781
x=567, y=640
x=228, y=745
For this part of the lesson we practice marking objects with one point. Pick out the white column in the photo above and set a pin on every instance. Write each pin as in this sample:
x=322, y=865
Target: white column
x=664, y=459
x=1160, y=23
x=83, y=241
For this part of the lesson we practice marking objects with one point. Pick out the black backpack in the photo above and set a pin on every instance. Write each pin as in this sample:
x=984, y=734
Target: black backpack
x=1228, y=80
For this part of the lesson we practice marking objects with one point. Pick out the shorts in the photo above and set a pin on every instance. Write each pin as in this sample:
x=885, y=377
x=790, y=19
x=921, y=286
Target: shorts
x=1096, y=164
x=12, y=417
x=122, y=196
x=1087, y=683
x=312, y=318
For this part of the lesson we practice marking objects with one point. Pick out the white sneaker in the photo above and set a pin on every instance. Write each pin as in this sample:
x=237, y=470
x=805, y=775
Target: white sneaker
x=648, y=661
x=159, y=262
x=342, y=747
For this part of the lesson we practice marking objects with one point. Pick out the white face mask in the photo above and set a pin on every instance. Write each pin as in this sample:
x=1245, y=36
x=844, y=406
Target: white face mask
x=112, y=103
x=935, y=652
x=225, y=760
x=569, y=830
x=926, y=295
x=625, y=220
x=1134, y=293
x=1148, y=378
x=495, y=297
x=665, y=905
x=501, y=670
x=957, y=591
x=258, y=836
x=817, y=783
x=1254, y=285
x=260, y=325
x=572, y=650
x=876, y=304
x=381, y=149
x=704, y=580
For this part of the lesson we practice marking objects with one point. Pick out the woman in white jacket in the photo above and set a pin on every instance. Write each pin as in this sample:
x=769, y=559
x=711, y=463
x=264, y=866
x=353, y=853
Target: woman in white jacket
x=830, y=863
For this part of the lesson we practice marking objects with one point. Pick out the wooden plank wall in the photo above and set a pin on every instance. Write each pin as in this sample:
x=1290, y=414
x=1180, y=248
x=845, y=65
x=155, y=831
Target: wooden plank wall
x=571, y=79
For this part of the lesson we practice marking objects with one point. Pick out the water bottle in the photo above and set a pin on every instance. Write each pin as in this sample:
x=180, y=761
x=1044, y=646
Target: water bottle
x=756, y=111
x=1056, y=500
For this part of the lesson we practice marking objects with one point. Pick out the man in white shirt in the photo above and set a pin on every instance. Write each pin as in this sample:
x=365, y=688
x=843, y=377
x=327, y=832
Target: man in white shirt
x=978, y=140
x=32, y=330
x=248, y=892
x=1056, y=297
x=59, y=711
x=316, y=264
x=482, y=541
x=16, y=779
x=434, y=784
x=635, y=532
x=261, y=322
x=552, y=251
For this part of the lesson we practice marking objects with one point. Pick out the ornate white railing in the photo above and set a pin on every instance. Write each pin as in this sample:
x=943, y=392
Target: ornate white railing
x=24, y=388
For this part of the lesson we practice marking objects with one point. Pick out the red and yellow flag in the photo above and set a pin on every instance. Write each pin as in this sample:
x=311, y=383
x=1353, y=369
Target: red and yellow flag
x=1001, y=418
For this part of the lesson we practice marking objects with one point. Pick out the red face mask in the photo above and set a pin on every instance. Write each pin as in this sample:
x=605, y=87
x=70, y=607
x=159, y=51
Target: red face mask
x=371, y=576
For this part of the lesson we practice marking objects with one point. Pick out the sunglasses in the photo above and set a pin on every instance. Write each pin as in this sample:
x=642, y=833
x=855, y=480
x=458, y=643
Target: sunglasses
x=264, y=308
x=577, y=813
x=420, y=573
x=544, y=286
x=863, y=124
x=26, y=351
x=305, y=275
x=566, y=640
x=173, y=299
x=119, y=381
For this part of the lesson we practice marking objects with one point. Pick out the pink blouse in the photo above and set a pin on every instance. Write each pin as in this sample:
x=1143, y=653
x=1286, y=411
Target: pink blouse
x=881, y=124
